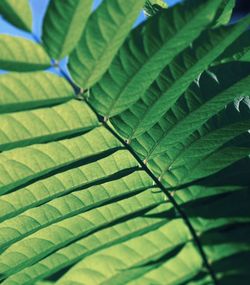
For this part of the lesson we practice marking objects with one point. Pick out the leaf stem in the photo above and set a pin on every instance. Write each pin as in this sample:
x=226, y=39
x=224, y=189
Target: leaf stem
x=171, y=199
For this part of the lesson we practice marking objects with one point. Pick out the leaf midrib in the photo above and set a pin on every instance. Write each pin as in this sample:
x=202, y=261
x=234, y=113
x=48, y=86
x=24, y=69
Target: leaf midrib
x=171, y=199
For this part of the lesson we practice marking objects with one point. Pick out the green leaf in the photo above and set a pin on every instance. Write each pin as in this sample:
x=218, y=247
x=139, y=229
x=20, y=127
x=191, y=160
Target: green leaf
x=197, y=108
x=174, y=80
x=225, y=12
x=63, y=25
x=19, y=54
x=21, y=91
x=44, y=283
x=219, y=212
x=195, y=194
x=239, y=50
x=18, y=13
x=105, y=32
x=151, y=7
x=214, y=162
x=179, y=161
x=146, y=52
x=217, y=248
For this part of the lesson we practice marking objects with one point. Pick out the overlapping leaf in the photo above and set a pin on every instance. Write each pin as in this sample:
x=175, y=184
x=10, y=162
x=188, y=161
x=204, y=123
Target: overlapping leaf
x=196, y=107
x=105, y=32
x=21, y=91
x=63, y=25
x=177, y=163
x=146, y=52
x=174, y=80
x=238, y=51
x=18, y=13
x=19, y=54
x=152, y=7
x=225, y=12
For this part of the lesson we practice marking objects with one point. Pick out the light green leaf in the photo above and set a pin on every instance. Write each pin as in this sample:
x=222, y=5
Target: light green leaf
x=21, y=91
x=21, y=165
x=63, y=25
x=37, y=126
x=185, y=265
x=105, y=32
x=55, y=236
x=146, y=52
x=19, y=54
x=44, y=283
x=32, y=220
x=87, y=245
x=47, y=189
x=18, y=13
x=113, y=263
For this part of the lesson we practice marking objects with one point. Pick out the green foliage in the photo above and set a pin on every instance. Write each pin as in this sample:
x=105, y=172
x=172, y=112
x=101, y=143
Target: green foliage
x=136, y=171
